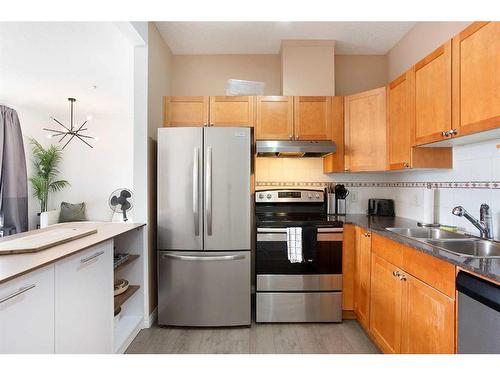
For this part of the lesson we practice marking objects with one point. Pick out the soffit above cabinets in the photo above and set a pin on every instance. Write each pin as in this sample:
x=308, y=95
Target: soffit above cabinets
x=352, y=38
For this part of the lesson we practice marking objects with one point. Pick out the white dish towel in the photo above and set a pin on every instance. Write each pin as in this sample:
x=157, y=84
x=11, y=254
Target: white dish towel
x=294, y=244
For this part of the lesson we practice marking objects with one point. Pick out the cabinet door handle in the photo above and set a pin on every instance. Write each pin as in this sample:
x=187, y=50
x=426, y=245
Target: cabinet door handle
x=396, y=273
x=445, y=133
x=93, y=256
x=16, y=293
x=452, y=132
x=402, y=277
x=406, y=165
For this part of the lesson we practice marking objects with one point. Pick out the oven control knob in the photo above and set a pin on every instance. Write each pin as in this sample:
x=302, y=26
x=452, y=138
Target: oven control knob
x=317, y=196
x=269, y=196
x=309, y=196
x=261, y=196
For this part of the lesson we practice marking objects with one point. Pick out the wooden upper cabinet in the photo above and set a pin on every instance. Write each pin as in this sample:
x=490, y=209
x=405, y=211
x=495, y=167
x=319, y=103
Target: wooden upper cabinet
x=433, y=95
x=365, y=131
x=313, y=118
x=274, y=117
x=400, y=121
x=401, y=130
x=335, y=162
x=476, y=78
x=185, y=111
x=385, y=310
x=232, y=110
x=362, y=277
x=428, y=322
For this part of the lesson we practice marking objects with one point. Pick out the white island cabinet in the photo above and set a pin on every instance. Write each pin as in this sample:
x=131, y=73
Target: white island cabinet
x=61, y=300
x=84, y=301
x=27, y=313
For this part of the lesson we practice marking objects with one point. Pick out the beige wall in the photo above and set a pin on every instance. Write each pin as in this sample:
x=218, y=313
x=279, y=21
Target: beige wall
x=208, y=74
x=290, y=170
x=356, y=73
x=418, y=42
x=159, y=83
x=308, y=67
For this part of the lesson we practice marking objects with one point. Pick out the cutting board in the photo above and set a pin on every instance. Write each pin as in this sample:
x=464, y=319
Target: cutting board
x=43, y=240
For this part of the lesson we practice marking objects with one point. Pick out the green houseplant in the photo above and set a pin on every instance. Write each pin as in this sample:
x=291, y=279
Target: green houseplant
x=45, y=163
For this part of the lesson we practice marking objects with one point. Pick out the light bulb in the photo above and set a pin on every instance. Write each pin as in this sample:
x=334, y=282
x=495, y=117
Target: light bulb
x=49, y=136
x=89, y=118
x=96, y=139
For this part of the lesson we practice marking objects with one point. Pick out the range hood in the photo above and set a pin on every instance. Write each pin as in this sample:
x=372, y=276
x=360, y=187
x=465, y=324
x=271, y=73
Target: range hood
x=295, y=149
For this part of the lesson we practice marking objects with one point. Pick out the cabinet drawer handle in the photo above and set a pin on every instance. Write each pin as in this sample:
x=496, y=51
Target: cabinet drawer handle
x=89, y=258
x=20, y=291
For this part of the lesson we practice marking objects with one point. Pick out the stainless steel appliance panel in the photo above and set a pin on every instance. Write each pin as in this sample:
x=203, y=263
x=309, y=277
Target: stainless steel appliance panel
x=227, y=188
x=299, y=307
x=204, y=288
x=180, y=167
x=478, y=315
x=294, y=283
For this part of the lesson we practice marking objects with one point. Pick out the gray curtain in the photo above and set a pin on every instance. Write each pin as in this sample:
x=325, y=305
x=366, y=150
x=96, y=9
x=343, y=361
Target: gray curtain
x=13, y=178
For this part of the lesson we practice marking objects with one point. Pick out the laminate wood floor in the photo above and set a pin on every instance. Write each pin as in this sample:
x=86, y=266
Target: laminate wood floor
x=345, y=338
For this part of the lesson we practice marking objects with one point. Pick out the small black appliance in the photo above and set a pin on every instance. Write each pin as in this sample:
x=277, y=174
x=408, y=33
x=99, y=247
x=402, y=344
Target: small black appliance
x=380, y=207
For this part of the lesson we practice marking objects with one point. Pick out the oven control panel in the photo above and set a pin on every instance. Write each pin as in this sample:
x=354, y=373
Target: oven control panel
x=289, y=196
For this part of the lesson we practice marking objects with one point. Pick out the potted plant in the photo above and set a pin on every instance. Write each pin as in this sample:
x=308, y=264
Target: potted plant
x=45, y=163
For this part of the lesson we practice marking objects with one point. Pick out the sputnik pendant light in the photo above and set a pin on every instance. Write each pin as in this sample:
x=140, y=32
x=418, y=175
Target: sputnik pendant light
x=71, y=131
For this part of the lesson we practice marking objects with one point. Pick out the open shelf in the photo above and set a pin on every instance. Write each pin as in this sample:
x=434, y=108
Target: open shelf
x=122, y=298
x=129, y=260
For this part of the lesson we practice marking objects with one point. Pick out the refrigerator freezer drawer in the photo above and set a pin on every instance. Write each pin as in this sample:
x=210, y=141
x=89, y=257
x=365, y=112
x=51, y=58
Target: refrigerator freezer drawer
x=299, y=307
x=204, y=289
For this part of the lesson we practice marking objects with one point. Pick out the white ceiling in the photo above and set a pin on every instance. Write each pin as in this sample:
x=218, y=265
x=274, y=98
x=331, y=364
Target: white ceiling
x=353, y=38
x=44, y=63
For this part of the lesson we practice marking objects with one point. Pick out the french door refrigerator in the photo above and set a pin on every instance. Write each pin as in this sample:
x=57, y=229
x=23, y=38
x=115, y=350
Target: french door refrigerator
x=204, y=226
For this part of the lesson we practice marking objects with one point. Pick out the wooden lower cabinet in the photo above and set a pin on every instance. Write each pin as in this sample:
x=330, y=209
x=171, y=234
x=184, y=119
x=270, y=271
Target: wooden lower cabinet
x=386, y=299
x=403, y=312
x=348, y=266
x=362, y=278
x=428, y=324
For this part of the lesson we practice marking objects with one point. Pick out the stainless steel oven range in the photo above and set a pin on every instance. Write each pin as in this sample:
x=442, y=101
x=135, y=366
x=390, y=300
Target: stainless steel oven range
x=305, y=291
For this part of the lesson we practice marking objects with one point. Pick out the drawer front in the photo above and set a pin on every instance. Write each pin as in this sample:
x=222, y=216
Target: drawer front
x=432, y=271
x=204, y=288
x=27, y=313
x=299, y=307
x=389, y=250
x=84, y=301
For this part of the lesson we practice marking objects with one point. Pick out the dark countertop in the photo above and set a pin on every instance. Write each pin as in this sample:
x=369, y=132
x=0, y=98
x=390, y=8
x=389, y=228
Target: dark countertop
x=486, y=267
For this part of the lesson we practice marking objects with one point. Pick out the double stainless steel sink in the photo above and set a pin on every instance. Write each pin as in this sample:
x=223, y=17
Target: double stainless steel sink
x=456, y=243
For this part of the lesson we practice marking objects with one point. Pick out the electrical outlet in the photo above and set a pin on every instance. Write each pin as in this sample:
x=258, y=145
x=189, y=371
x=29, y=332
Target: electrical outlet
x=354, y=196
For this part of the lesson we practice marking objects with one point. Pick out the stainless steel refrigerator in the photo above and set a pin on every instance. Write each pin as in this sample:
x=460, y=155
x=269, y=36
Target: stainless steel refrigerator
x=204, y=226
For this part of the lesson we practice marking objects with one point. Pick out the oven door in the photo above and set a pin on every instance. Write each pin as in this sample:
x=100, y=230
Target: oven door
x=276, y=273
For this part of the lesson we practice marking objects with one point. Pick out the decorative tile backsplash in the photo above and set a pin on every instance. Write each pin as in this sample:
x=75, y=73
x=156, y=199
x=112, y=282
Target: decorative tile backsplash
x=474, y=179
x=433, y=184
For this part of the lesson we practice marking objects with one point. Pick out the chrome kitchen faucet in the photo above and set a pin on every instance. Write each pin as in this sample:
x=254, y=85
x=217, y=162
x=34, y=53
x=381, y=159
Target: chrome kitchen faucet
x=484, y=224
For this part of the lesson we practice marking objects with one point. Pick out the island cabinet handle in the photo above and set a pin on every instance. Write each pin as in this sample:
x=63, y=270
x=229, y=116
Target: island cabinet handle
x=18, y=292
x=89, y=258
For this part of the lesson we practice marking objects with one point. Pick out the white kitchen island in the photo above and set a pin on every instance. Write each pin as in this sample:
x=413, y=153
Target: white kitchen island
x=60, y=300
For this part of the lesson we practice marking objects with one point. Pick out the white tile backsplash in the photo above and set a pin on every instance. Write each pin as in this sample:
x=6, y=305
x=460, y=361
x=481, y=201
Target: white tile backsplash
x=475, y=162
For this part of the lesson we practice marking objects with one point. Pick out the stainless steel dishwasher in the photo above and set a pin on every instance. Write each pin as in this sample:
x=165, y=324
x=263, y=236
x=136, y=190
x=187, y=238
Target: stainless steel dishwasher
x=478, y=315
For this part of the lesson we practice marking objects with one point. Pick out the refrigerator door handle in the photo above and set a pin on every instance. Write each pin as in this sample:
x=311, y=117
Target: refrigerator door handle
x=196, y=198
x=204, y=258
x=208, y=190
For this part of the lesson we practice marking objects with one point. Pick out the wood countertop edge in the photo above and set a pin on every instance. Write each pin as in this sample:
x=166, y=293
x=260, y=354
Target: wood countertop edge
x=64, y=255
